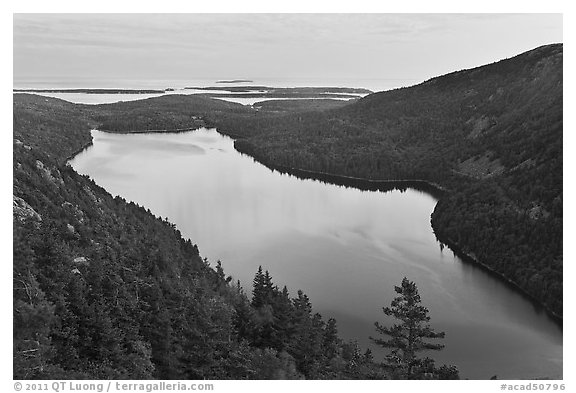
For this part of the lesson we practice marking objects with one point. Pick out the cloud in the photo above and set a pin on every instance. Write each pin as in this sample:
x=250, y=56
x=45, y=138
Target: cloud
x=178, y=45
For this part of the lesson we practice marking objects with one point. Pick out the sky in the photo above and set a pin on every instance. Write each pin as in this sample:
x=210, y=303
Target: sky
x=398, y=48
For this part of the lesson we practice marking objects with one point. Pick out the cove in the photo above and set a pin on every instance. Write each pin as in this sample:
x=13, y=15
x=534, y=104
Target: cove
x=344, y=247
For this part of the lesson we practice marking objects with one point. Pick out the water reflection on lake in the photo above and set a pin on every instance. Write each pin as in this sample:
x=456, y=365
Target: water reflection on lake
x=344, y=247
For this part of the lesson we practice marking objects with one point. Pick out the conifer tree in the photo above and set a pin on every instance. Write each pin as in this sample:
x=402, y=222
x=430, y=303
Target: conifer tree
x=407, y=338
x=243, y=318
x=263, y=289
x=263, y=294
x=283, y=312
x=305, y=345
x=331, y=340
x=258, y=289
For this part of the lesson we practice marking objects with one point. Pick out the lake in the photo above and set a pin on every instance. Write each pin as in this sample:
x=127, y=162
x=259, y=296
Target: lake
x=345, y=248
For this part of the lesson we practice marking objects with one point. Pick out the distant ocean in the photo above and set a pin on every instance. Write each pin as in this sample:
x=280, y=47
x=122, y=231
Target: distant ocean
x=75, y=83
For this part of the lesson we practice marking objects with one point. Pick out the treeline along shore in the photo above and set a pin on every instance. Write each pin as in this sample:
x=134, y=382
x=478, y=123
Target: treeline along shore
x=341, y=180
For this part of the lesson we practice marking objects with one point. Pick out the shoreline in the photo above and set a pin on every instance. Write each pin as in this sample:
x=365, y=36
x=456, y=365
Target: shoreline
x=472, y=260
x=66, y=161
x=80, y=150
x=174, y=131
x=364, y=184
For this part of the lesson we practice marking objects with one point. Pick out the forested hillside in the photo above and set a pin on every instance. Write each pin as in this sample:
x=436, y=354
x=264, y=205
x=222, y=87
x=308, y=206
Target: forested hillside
x=170, y=112
x=104, y=289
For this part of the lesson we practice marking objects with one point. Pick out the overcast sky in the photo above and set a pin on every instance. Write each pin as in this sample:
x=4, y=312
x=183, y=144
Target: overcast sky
x=401, y=47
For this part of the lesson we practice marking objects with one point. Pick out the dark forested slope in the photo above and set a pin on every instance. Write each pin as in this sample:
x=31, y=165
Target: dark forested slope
x=170, y=112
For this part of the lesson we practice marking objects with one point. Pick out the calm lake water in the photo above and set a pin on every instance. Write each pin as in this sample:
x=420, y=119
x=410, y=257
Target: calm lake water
x=345, y=248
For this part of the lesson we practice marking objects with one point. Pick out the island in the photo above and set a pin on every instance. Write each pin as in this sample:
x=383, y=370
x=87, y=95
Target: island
x=266, y=92
x=235, y=81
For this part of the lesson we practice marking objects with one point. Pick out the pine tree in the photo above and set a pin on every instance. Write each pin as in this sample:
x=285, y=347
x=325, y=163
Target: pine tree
x=305, y=345
x=257, y=286
x=331, y=340
x=269, y=288
x=263, y=294
x=283, y=311
x=244, y=315
x=407, y=338
x=263, y=289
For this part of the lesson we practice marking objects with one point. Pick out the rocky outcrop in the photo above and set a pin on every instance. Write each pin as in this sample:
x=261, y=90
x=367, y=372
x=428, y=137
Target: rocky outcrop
x=47, y=173
x=75, y=210
x=81, y=261
x=22, y=211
